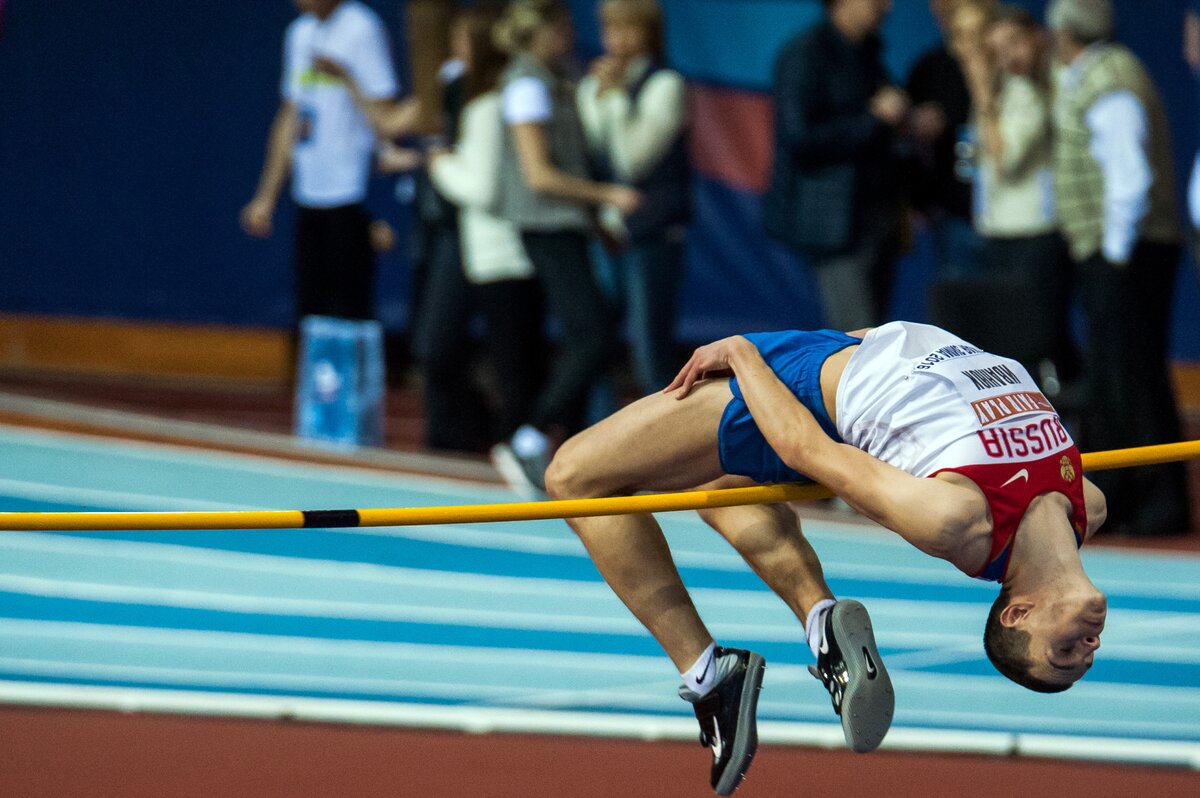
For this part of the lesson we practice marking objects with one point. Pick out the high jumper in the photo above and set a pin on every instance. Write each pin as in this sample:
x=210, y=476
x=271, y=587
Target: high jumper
x=953, y=448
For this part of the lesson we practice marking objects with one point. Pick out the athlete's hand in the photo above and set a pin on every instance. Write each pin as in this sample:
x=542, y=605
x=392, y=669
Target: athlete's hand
x=707, y=362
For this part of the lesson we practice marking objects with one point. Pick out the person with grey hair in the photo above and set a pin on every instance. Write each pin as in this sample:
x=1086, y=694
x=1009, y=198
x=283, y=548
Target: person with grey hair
x=1114, y=185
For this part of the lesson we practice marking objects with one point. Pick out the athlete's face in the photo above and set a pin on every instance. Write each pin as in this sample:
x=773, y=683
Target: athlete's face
x=1064, y=635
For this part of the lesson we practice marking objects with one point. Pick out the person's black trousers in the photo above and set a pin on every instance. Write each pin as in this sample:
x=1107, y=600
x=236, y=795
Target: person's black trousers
x=516, y=345
x=585, y=321
x=1040, y=269
x=456, y=414
x=335, y=265
x=1131, y=401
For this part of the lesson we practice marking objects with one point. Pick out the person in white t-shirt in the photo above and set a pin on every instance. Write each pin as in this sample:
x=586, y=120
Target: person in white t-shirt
x=954, y=449
x=325, y=142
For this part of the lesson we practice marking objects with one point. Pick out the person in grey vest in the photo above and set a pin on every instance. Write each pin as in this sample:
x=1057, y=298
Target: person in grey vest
x=1115, y=189
x=545, y=192
x=634, y=112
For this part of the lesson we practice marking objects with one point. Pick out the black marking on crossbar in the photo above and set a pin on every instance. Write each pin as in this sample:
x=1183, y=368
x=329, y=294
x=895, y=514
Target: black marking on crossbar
x=330, y=518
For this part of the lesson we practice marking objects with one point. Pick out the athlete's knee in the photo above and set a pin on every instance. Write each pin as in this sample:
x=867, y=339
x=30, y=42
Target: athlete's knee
x=568, y=477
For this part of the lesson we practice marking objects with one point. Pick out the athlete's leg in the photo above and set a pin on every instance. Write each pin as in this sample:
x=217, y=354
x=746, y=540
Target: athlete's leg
x=769, y=539
x=657, y=443
x=848, y=663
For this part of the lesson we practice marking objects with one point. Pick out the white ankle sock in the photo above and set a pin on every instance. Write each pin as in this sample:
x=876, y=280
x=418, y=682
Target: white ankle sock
x=529, y=441
x=702, y=676
x=814, y=625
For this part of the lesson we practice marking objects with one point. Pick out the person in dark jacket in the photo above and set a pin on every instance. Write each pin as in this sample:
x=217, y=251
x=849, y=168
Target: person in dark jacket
x=833, y=194
x=941, y=172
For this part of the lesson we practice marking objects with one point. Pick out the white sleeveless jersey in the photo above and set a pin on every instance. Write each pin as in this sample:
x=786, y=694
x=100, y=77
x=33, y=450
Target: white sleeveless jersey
x=924, y=400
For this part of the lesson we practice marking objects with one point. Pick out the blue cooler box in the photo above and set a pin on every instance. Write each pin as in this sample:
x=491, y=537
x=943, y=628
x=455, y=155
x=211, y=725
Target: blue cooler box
x=340, y=385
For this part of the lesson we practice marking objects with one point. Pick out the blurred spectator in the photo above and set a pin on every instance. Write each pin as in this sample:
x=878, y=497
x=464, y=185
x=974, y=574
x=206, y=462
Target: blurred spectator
x=942, y=169
x=545, y=192
x=440, y=311
x=494, y=261
x=833, y=193
x=1114, y=181
x=1191, y=54
x=455, y=411
x=1025, y=259
x=634, y=111
x=321, y=136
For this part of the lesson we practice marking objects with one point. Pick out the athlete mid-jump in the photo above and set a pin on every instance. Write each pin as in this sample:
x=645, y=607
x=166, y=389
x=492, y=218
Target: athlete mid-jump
x=953, y=448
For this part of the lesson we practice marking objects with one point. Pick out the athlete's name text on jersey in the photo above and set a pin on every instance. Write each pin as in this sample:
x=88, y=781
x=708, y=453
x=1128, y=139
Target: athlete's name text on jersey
x=992, y=377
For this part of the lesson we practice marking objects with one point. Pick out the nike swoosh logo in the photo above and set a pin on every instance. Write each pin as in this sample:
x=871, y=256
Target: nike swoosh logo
x=718, y=745
x=1022, y=474
x=872, y=672
x=824, y=644
x=704, y=673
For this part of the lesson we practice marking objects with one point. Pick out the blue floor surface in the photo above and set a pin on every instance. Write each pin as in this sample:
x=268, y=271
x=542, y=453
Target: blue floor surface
x=508, y=616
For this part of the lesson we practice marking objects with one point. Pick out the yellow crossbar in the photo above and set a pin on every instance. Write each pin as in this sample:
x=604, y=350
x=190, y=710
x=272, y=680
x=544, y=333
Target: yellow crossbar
x=517, y=511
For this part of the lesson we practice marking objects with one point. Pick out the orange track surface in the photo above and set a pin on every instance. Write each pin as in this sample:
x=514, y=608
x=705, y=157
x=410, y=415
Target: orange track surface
x=84, y=754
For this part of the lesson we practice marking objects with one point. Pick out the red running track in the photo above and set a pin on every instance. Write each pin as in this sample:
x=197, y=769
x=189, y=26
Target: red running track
x=48, y=753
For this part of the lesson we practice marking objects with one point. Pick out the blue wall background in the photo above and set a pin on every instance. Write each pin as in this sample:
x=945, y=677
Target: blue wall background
x=132, y=132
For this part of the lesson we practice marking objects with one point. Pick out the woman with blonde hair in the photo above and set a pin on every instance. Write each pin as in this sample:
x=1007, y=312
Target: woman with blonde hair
x=634, y=111
x=545, y=192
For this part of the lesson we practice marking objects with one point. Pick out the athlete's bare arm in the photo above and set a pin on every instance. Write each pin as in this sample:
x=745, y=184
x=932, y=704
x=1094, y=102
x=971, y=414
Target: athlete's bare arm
x=1097, y=507
x=930, y=514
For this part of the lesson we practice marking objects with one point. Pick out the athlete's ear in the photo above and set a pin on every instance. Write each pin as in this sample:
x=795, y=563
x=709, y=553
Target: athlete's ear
x=1014, y=613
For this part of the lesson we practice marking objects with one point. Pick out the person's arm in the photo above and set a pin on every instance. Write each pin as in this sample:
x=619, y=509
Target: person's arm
x=1097, y=508
x=1022, y=127
x=1119, y=129
x=1191, y=39
x=388, y=117
x=929, y=513
x=468, y=174
x=981, y=77
x=526, y=106
x=257, y=216
x=541, y=175
x=587, y=100
x=810, y=139
x=641, y=139
x=391, y=119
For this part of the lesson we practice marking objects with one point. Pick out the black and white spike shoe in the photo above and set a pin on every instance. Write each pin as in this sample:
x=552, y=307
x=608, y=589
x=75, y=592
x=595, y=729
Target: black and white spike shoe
x=850, y=668
x=728, y=723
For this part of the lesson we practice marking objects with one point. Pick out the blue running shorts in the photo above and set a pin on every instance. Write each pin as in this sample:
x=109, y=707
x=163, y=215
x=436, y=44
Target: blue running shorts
x=796, y=358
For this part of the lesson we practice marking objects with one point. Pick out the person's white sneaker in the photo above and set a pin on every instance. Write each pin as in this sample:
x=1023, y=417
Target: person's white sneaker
x=525, y=476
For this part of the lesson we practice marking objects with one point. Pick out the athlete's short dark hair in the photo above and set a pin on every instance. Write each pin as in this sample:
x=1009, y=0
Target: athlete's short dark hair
x=1008, y=649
